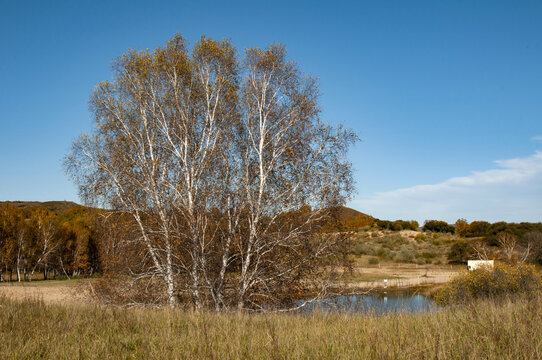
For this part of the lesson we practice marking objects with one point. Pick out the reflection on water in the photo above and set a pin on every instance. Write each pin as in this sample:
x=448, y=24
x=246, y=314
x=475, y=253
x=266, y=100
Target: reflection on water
x=378, y=304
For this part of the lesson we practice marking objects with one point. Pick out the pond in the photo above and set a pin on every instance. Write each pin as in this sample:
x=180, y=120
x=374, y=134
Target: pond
x=378, y=304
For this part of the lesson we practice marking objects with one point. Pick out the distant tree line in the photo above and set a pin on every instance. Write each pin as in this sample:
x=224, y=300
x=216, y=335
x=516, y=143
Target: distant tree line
x=509, y=242
x=481, y=229
x=438, y=226
x=397, y=225
x=37, y=241
x=489, y=231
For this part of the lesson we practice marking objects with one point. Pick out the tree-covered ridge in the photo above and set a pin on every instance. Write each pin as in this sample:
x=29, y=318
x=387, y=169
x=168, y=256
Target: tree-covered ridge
x=35, y=239
x=58, y=238
x=57, y=207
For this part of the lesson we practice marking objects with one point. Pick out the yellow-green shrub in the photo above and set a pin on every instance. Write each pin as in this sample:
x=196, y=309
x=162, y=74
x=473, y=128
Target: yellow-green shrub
x=490, y=283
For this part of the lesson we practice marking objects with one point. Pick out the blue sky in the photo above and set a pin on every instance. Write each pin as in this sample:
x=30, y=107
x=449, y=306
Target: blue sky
x=446, y=96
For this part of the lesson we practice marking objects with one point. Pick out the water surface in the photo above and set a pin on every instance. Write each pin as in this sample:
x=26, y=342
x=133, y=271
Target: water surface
x=378, y=304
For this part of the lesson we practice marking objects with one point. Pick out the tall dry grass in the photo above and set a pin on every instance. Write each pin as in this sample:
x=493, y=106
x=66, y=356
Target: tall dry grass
x=483, y=330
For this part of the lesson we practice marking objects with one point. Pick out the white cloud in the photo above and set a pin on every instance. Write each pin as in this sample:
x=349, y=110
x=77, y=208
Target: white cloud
x=537, y=138
x=510, y=192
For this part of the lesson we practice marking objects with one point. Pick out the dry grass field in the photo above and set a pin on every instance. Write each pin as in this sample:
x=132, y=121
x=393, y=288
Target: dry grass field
x=50, y=291
x=32, y=329
x=54, y=320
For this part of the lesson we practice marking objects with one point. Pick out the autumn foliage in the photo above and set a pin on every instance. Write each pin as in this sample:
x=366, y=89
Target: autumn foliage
x=35, y=240
x=483, y=282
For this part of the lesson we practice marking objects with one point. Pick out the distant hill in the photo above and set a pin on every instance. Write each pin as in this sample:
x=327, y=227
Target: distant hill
x=348, y=213
x=348, y=219
x=57, y=207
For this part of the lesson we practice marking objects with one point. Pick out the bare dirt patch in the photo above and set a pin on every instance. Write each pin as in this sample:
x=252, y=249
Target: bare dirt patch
x=400, y=276
x=409, y=233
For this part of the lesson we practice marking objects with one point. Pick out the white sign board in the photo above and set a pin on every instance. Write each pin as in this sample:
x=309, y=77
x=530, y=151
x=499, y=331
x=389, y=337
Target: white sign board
x=475, y=264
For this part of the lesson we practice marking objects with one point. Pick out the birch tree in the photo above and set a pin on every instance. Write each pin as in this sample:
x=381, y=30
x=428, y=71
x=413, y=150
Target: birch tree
x=47, y=229
x=289, y=159
x=507, y=243
x=216, y=161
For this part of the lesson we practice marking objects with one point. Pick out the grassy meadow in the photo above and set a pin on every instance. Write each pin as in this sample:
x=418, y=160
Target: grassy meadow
x=32, y=329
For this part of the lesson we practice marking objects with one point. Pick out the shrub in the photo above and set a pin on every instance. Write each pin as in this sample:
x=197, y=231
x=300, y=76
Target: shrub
x=420, y=261
x=392, y=241
x=534, y=239
x=383, y=224
x=420, y=237
x=362, y=249
x=461, y=227
x=397, y=225
x=382, y=252
x=405, y=225
x=406, y=255
x=123, y=291
x=459, y=252
x=490, y=283
x=429, y=254
x=438, y=226
x=373, y=261
x=477, y=229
